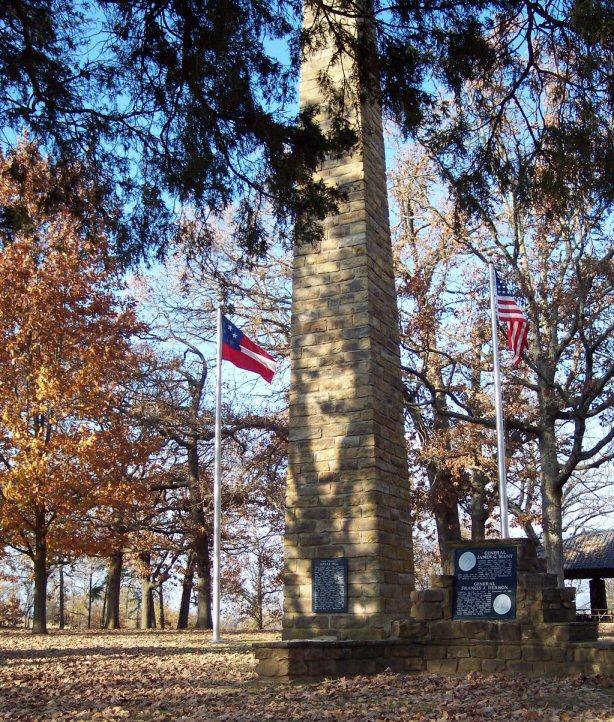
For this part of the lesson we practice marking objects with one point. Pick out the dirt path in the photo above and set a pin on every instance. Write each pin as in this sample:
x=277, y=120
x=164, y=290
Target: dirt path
x=182, y=676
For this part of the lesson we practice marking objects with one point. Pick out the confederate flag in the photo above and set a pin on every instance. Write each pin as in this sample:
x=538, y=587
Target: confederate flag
x=244, y=353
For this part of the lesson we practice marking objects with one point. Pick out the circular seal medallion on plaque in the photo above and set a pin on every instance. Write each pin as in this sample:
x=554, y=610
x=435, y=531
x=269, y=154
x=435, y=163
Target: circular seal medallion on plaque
x=467, y=561
x=502, y=604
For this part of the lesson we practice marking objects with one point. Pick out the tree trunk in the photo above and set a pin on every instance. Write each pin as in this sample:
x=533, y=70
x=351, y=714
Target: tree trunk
x=448, y=531
x=127, y=610
x=161, y=603
x=114, y=576
x=104, y=605
x=89, y=601
x=260, y=595
x=62, y=620
x=148, y=613
x=186, y=594
x=444, y=503
x=27, y=613
x=552, y=521
x=442, y=493
x=200, y=547
x=479, y=511
x=39, y=620
x=152, y=610
x=204, y=618
x=443, y=499
x=552, y=503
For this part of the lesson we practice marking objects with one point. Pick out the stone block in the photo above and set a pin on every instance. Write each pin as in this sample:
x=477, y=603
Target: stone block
x=446, y=630
x=530, y=632
x=430, y=595
x=405, y=650
x=583, y=631
x=361, y=633
x=427, y=610
x=465, y=666
x=519, y=667
x=442, y=666
x=480, y=630
x=552, y=595
x=584, y=654
x=432, y=651
x=458, y=651
x=485, y=651
x=313, y=652
x=556, y=654
x=510, y=651
x=539, y=668
x=272, y=668
x=414, y=665
x=297, y=668
x=533, y=581
x=408, y=629
x=509, y=632
x=559, y=615
x=535, y=653
x=493, y=666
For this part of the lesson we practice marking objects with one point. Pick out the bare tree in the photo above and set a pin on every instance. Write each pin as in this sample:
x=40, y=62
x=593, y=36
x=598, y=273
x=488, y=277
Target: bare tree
x=560, y=401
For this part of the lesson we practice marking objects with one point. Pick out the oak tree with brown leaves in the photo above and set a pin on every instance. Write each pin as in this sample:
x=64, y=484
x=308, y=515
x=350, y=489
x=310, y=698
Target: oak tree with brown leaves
x=66, y=359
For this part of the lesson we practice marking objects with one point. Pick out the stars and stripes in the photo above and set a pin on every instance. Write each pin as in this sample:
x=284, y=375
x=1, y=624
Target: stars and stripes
x=508, y=311
x=245, y=353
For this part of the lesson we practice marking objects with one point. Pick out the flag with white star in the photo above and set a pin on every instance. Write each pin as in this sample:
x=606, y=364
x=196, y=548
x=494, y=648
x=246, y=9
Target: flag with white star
x=245, y=353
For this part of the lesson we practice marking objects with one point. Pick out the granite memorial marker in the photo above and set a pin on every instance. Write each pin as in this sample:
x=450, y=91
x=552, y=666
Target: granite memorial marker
x=485, y=583
x=330, y=586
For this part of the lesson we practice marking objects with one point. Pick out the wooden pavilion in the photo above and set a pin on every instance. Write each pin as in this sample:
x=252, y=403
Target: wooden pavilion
x=590, y=555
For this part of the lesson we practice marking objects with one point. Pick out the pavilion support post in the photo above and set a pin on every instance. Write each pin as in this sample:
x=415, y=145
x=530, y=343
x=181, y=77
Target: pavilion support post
x=599, y=602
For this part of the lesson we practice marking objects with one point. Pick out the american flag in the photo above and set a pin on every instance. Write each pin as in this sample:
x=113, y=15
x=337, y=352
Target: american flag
x=509, y=311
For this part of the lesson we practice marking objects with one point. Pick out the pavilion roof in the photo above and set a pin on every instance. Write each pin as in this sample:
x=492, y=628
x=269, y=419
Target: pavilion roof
x=589, y=554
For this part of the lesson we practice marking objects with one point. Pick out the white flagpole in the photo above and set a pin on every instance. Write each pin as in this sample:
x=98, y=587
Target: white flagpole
x=217, y=483
x=505, y=531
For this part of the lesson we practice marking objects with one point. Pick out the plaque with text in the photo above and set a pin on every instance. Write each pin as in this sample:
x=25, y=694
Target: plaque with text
x=485, y=582
x=330, y=585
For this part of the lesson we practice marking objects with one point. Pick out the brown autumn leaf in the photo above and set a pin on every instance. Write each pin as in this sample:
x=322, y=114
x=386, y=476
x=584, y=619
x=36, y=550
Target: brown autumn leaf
x=152, y=675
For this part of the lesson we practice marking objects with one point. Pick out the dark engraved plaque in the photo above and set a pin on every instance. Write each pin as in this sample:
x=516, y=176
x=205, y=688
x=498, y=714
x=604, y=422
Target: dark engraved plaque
x=330, y=585
x=485, y=582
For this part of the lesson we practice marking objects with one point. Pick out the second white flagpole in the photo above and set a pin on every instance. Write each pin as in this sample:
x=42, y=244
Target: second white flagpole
x=505, y=531
x=217, y=483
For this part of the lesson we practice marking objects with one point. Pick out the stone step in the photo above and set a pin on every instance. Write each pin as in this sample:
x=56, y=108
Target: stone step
x=562, y=651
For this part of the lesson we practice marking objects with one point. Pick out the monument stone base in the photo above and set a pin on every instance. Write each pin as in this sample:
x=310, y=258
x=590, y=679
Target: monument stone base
x=543, y=638
x=312, y=659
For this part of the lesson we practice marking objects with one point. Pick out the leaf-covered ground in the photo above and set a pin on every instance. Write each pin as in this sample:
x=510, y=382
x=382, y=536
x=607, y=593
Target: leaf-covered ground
x=183, y=676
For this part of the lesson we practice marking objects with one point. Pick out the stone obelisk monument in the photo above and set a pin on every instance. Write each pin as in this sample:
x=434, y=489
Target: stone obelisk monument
x=348, y=488
x=348, y=544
